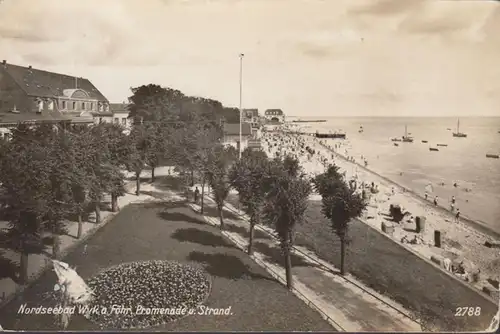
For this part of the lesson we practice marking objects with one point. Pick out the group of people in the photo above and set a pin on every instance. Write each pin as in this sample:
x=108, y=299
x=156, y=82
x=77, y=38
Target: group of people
x=453, y=209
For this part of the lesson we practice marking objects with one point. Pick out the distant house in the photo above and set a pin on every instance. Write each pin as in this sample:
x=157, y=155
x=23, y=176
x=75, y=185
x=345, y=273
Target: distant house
x=252, y=116
x=118, y=113
x=29, y=95
x=274, y=116
x=232, y=135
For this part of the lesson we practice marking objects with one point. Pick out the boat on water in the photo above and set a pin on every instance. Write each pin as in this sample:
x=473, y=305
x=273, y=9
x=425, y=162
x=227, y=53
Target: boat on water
x=406, y=138
x=493, y=156
x=334, y=135
x=395, y=139
x=433, y=149
x=449, y=129
x=424, y=141
x=443, y=145
x=396, y=144
x=458, y=133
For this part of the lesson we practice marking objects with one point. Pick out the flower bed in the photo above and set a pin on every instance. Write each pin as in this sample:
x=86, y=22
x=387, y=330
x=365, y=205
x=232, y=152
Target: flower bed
x=122, y=290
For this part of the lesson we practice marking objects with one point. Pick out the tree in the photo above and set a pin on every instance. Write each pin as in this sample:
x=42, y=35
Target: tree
x=218, y=176
x=250, y=177
x=340, y=204
x=137, y=149
x=286, y=204
x=26, y=184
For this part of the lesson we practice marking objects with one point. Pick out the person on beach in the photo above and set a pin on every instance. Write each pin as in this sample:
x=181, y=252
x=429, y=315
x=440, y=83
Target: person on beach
x=196, y=194
x=457, y=216
x=426, y=195
x=436, y=201
x=392, y=189
x=452, y=206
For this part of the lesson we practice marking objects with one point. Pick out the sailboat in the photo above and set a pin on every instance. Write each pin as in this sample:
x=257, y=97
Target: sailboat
x=406, y=137
x=458, y=133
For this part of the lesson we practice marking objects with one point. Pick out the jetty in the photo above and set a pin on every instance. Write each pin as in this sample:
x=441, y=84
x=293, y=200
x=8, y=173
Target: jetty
x=335, y=135
x=309, y=121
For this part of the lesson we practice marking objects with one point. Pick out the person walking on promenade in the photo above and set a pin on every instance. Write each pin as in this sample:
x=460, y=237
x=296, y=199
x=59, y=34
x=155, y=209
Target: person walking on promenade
x=436, y=201
x=457, y=216
x=196, y=194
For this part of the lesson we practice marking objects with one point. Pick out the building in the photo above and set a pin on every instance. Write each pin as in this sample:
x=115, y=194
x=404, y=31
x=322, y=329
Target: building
x=252, y=116
x=232, y=135
x=29, y=95
x=274, y=116
x=117, y=113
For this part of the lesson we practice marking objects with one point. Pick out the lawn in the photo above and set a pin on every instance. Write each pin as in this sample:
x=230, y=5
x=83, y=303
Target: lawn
x=395, y=272
x=173, y=232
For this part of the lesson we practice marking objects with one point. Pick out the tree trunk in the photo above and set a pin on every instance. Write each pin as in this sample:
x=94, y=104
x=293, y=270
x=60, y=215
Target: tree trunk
x=152, y=174
x=56, y=245
x=97, y=209
x=221, y=217
x=23, y=267
x=342, y=256
x=137, y=184
x=114, y=203
x=288, y=269
x=251, y=235
x=80, y=226
x=192, y=177
x=202, y=195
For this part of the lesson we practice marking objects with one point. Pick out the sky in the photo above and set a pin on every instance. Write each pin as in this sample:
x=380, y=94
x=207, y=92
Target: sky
x=307, y=57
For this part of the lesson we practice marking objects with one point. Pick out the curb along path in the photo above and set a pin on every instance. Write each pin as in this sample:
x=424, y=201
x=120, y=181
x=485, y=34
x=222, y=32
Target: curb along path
x=344, y=303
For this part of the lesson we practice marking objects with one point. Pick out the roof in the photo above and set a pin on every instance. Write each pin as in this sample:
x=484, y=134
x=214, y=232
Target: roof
x=119, y=107
x=278, y=111
x=40, y=83
x=233, y=129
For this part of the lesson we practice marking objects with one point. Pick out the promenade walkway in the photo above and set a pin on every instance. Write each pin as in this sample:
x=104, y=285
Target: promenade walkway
x=345, y=303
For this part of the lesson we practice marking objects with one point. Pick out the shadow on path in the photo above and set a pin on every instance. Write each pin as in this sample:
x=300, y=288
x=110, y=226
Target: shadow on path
x=244, y=232
x=179, y=217
x=226, y=266
x=273, y=254
x=201, y=237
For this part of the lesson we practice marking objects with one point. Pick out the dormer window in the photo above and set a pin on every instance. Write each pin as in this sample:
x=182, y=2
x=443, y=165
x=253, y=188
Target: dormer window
x=50, y=105
x=40, y=105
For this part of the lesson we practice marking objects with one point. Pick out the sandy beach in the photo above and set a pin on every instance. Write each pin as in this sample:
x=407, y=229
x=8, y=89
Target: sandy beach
x=462, y=243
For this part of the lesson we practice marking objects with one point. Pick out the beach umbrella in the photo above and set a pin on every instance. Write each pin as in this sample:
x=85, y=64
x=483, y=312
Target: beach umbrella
x=428, y=188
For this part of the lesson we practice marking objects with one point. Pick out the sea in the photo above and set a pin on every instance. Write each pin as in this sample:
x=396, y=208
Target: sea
x=412, y=165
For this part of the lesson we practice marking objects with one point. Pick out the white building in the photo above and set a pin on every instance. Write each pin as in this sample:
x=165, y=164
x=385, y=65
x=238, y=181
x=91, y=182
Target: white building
x=232, y=135
x=274, y=116
x=117, y=113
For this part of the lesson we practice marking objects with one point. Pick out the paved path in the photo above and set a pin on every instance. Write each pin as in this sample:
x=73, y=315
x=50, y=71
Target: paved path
x=348, y=306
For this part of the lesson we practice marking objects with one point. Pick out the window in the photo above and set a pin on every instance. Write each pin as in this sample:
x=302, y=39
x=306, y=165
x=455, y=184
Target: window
x=100, y=120
x=74, y=105
x=51, y=105
x=40, y=106
x=117, y=120
x=106, y=107
x=83, y=105
x=63, y=105
x=124, y=121
x=91, y=105
x=100, y=107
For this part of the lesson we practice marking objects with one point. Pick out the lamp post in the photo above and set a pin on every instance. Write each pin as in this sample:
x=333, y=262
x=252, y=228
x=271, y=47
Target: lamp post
x=241, y=90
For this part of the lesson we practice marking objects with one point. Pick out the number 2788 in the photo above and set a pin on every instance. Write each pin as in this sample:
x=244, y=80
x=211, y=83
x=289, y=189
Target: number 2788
x=468, y=311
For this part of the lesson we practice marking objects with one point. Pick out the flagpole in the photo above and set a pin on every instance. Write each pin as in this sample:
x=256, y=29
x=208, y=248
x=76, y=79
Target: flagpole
x=241, y=91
